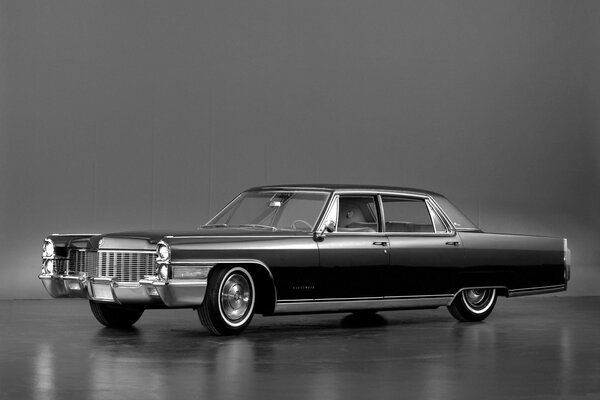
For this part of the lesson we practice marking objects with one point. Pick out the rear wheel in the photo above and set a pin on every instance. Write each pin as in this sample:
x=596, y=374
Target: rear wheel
x=473, y=304
x=115, y=316
x=228, y=305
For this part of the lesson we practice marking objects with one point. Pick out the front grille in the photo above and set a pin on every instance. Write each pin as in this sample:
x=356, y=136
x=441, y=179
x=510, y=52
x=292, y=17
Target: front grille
x=125, y=266
x=81, y=261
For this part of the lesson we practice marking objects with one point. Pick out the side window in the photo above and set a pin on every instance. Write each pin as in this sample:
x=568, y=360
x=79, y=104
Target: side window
x=404, y=214
x=332, y=213
x=437, y=222
x=357, y=214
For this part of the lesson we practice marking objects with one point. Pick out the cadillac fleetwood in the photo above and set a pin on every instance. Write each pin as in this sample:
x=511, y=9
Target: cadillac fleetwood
x=292, y=249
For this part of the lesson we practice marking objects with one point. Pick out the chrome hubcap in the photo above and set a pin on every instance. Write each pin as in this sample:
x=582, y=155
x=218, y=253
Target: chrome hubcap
x=235, y=297
x=478, y=300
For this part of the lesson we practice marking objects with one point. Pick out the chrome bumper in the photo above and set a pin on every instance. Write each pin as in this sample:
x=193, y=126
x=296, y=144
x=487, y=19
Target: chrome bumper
x=60, y=286
x=149, y=291
x=181, y=293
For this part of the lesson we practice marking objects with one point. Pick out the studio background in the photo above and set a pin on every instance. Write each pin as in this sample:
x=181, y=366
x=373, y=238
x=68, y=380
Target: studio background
x=151, y=114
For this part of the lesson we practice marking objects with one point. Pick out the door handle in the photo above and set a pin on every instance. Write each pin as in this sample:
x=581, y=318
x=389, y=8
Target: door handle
x=452, y=243
x=384, y=244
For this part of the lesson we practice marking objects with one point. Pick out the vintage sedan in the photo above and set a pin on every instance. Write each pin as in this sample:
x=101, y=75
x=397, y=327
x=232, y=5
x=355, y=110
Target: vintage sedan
x=294, y=249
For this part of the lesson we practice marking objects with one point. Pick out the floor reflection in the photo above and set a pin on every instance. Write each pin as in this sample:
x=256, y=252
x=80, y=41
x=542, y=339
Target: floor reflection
x=543, y=348
x=44, y=372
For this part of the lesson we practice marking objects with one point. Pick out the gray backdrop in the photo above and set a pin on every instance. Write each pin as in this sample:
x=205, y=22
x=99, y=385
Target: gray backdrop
x=151, y=114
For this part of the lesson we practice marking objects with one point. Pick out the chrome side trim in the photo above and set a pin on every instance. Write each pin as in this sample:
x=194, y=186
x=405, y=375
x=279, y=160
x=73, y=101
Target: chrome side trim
x=75, y=234
x=125, y=251
x=300, y=235
x=193, y=262
x=334, y=305
x=536, y=290
x=425, y=234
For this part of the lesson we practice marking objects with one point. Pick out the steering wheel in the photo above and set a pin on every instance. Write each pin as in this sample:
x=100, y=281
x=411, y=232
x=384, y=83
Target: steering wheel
x=301, y=221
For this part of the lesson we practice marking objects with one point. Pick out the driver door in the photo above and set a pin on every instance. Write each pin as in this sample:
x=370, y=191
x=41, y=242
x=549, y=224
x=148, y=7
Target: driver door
x=354, y=257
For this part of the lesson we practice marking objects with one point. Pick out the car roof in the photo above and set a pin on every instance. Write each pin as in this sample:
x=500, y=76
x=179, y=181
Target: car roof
x=342, y=187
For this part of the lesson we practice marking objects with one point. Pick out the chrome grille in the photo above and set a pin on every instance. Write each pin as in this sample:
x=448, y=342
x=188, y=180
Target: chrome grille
x=125, y=266
x=81, y=261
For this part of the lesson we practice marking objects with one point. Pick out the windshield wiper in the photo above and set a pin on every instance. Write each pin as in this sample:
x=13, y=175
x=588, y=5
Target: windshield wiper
x=214, y=226
x=258, y=226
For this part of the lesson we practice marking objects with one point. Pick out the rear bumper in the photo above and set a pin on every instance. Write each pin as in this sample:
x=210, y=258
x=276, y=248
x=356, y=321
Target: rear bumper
x=148, y=292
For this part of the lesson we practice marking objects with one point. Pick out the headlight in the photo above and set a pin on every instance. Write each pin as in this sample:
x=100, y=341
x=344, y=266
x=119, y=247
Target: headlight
x=48, y=248
x=163, y=253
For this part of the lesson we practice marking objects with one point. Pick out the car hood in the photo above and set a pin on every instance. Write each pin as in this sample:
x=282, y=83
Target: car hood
x=147, y=239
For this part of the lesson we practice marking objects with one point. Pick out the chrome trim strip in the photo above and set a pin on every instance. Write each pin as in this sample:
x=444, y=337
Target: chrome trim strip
x=301, y=235
x=346, y=299
x=182, y=282
x=125, y=251
x=343, y=233
x=433, y=234
x=384, y=191
x=75, y=234
x=192, y=262
x=536, y=290
x=357, y=305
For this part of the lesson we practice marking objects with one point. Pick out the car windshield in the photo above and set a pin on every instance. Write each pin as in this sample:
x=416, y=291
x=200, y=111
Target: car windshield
x=272, y=210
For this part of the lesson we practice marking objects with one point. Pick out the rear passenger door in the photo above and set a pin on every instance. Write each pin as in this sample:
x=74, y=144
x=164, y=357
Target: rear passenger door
x=425, y=252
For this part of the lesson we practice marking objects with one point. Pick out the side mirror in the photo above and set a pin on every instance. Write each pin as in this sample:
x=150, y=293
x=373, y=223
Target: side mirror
x=330, y=226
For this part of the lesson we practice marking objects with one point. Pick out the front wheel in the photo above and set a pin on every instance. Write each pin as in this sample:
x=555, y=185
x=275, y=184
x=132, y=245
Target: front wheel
x=228, y=305
x=115, y=316
x=472, y=305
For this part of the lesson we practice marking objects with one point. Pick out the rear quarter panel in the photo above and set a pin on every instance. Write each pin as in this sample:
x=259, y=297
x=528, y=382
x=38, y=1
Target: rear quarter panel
x=513, y=261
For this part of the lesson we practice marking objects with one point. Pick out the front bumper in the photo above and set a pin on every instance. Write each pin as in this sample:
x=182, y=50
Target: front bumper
x=149, y=292
x=60, y=286
x=181, y=293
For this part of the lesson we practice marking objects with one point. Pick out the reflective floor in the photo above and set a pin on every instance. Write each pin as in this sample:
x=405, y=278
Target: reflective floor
x=530, y=348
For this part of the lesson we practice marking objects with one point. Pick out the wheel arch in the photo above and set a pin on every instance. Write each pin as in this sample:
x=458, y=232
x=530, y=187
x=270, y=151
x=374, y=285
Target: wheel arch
x=266, y=293
x=500, y=291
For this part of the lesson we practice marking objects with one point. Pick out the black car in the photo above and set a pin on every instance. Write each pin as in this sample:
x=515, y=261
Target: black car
x=294, y=249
